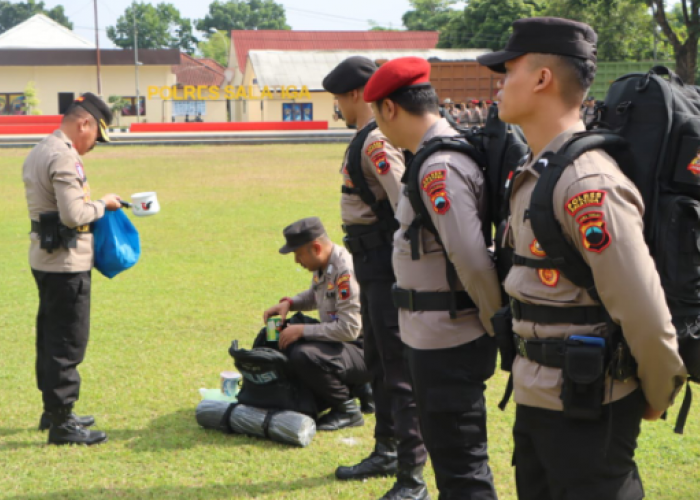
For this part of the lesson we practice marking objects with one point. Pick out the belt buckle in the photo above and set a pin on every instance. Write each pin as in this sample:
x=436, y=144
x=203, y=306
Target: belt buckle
x=522, y=347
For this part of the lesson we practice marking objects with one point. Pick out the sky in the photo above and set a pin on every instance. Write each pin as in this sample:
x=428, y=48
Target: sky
x=301, y=14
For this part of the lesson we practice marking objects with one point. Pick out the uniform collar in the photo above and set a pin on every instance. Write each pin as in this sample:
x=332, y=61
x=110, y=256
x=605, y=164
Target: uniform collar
x=440, y=128
x=553, y=146
x=330, y=268
x=63, y=138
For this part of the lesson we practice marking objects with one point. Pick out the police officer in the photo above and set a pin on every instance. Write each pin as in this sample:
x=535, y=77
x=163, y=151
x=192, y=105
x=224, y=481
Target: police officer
x=328, y=356
x=549, y=65
x=372, y=171
x=450, y=348
x=61, y=257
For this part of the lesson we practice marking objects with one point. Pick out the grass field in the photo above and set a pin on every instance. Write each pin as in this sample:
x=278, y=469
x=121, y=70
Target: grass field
x=161, y=331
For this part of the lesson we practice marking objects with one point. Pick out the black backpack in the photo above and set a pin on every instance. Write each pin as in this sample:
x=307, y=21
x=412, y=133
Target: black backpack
x=497, y=148
x=268, y=380
x=650, y=125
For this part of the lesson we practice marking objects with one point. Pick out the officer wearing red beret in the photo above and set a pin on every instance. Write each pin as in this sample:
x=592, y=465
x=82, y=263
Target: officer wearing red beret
x=444, y=318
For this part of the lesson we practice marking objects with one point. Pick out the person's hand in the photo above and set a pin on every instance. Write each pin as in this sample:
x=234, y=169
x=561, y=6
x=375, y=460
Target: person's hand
x=112, y=202
x=281, y=310
x=651, y=414
x=290, y=335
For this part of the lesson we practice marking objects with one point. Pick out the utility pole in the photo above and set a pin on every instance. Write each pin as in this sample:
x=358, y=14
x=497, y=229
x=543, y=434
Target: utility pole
x=136, y=65
x=97, y=45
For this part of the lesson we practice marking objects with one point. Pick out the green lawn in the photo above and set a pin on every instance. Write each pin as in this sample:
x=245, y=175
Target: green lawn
x=162, y=330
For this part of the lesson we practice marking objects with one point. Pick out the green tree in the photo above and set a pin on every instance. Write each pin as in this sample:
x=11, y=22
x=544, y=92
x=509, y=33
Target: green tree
x=159, y=27
x=610, y=18
x=31, y=101
x=486, y=24
x=12, y=14
x=216, y=47
x=117, y=105
x=430, y=15
x=681, y=27
x=243, y=15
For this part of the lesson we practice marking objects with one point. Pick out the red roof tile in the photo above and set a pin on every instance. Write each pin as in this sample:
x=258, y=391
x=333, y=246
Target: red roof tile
x=193, y=71
x=247, y=40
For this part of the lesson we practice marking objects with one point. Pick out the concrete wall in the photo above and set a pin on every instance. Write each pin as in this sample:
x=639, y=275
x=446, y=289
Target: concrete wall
x=116, y=80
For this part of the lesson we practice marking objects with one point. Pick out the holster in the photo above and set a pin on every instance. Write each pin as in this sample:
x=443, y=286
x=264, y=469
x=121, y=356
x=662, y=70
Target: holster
x=502, y=323
x=583, y=388
x=49, y=234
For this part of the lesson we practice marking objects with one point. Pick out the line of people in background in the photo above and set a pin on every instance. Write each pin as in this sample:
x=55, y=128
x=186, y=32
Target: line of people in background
x=473, y=112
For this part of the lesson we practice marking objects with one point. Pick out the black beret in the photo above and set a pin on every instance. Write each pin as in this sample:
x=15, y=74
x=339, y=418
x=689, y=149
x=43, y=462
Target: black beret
x=99, y=110
x=351, y=74
x=545, y=35
x=302, y=232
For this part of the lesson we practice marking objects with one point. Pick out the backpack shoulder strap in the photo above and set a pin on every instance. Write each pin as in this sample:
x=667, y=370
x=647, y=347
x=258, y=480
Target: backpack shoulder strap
x=354, y=166
x=411, y=179
x=544, y=224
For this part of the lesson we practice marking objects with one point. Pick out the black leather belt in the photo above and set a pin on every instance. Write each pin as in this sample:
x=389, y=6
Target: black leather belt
x=87, y=228
x=579, y=315
x=546, y=352
x=430, y=301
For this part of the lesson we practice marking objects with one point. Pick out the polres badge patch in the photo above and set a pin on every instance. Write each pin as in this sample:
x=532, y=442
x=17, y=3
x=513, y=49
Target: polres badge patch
x=434, y=184
x=694, y=165
x=381, y=163
x=549, y=277
x=374, y=147
x=536, y=249
x=343, y=284
x=440, y=202
x=594, y=232
x=583, y=200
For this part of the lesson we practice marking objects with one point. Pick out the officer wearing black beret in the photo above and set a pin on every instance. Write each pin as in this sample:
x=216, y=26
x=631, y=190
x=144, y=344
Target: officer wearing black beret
x=578, y=417
x=327, y=357
x=372, y=169
x=61, y=257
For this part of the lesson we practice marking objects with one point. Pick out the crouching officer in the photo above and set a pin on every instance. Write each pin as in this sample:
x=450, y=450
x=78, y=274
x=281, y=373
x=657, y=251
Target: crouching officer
x=61, y=257
x=328, y=356
x=576, y=429
x=372, y=171
x=444, y=317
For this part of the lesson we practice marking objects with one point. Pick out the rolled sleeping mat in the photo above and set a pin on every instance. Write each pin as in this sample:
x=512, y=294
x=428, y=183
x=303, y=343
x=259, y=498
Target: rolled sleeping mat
x=282, y=426
x=211, y=415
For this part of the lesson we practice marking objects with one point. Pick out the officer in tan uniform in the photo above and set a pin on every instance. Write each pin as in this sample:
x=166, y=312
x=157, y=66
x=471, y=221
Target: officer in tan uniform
x=568, y=447
x=61, y=257
x=328, y=356
x=372, y=170
x=450, y=348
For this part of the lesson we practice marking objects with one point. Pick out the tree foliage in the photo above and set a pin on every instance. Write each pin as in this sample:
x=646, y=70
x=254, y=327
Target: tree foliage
x=216, y=47
x=243, y=15
x=159, y=27
x=14, y=13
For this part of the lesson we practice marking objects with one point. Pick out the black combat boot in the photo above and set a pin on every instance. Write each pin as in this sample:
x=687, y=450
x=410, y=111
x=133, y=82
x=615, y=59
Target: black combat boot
x=366, y=396
x=66, y=430
x=344, y=415
x=381, y=462
x=45, y=422
x=409, y=485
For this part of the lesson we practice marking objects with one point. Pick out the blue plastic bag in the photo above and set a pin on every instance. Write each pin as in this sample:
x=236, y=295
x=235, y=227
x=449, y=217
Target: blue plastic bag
x=117, y=245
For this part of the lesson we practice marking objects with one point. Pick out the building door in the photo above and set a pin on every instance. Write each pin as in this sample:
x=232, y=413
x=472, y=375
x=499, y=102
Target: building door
x=65, y=99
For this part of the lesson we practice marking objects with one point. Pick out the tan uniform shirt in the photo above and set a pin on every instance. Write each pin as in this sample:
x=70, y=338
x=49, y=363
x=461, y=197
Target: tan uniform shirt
x=600, y=212
x=334, y=292
x=383, y=167
x=55, y=181
x=454, y=192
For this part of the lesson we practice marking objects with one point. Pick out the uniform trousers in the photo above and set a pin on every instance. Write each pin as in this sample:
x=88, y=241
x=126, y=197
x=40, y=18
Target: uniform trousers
x=449, y=388
x=330, y=369
x=396, y=412
x=560, y=458
x=62, y=333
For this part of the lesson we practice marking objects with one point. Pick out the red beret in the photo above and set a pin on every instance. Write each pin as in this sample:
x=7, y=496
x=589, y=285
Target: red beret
x=397, y=74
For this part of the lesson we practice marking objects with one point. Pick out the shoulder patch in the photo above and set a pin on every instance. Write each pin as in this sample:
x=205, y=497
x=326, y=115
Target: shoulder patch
x=594, y=198
x=536, y=249
x=434, y=180
x=381, y=163
x=374, y=147
x=549, y=277
x=594, y=233
x=343, y=284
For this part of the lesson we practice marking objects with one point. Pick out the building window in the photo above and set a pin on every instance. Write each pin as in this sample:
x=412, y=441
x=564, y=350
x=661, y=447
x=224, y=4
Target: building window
x=130, y=109
x=12, y=104
x=297, y=112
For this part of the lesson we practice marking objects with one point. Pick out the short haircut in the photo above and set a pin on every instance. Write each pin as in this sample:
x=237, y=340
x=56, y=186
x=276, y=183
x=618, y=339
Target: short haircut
x=76, y=112
x=575, y=74
x=415, y=101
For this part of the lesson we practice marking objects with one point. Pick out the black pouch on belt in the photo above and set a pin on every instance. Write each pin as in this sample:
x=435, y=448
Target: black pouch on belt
x=502, y=323
x=583, y=389
x=49, y=236
x=69, y=236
